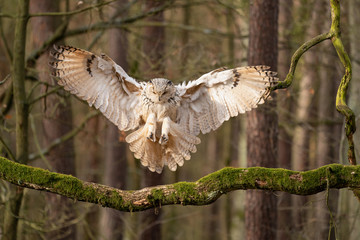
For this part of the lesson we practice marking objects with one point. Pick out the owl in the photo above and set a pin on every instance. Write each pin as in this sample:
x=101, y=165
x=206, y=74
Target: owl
x=166, y=117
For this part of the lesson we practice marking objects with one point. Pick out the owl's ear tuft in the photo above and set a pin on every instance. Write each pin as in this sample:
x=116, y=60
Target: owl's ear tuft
x=169, y=83
x=151, y=81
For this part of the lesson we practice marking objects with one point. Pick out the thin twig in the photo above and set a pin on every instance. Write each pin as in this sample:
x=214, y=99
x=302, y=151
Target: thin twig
x=61, y=34
x=5, y=15
x=37, y=144
x=5, y=79
x=190, y=28
x=5, y=42
x=46, y=14
x=331, y=221
x=296, y=57
x=8, y=150
x=54, y=90
x=64, y=138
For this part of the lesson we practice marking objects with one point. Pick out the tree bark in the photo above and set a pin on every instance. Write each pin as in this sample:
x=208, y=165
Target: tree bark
x=285, y=112
x=202, y=192
x=301, y=137
x=12, y=212
x=261, y=208
x=112, y=222
x=154, y=48
x=346, y=202
x=91, y=167
x=57, y=122
x=328, y=136
x=328, y=131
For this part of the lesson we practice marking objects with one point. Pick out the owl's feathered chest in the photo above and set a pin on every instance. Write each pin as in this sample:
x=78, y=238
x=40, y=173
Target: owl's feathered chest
x=160, y=109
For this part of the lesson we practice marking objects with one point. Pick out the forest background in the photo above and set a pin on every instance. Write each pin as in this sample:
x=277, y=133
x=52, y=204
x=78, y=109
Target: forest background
x=179, y=40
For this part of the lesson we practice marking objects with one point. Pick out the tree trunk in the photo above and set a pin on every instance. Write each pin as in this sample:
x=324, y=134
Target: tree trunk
x=348, y=203
x=327, y=135
x=261, y=208
x=57, y=121
x=284, y=109
x=91, y=165
x=301, y=137
x=112, y=222
x=153, y=47
x=211, y=223
x=12, y=212
x=233, y=158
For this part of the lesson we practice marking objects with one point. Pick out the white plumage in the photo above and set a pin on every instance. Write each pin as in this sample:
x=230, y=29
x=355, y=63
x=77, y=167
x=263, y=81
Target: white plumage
x=167, y=117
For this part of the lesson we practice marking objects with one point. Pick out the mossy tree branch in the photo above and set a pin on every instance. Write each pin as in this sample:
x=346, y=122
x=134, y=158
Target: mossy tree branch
x=202, y=192
x=341, y=106
x=335, y=35
x=296, y=57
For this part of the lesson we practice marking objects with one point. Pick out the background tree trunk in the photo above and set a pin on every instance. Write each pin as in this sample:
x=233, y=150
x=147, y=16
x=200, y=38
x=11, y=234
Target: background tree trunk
x=328, y=135
x=112, y=221
x=13, y=206
x=154, y=49
x=328, y=130
x=305, y=107
x=233, y=158
x=347, y=203
x=91, y=172
x=57, y=121
x=261, y=208
x=285, y=113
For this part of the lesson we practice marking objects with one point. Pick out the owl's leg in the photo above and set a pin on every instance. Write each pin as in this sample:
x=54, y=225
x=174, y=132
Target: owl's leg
x=165, y=131
x=151, y=122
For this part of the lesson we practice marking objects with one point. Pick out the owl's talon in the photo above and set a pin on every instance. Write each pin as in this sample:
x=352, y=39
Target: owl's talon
x=164, y=139
x=151, y=137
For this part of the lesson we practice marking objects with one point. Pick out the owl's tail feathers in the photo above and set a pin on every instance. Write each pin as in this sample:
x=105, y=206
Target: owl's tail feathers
x=154, y=155
x=179, y=146
x=147, y=151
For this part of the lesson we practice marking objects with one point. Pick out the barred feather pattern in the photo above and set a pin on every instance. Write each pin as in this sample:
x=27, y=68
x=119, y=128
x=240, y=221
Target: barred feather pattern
x=188, y=109
x=100, y=82
x=154, y=156
x=224, y=94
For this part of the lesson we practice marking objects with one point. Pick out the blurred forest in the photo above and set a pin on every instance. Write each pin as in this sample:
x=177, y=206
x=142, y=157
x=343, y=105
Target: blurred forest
x=179, y=40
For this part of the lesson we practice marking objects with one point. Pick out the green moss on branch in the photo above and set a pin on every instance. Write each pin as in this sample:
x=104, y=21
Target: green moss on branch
x=335, y=35
x=202, y=192
x=341, y=106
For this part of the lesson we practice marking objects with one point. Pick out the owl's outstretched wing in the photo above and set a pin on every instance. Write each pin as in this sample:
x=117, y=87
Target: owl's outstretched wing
x=99, y=81
x=216, y=96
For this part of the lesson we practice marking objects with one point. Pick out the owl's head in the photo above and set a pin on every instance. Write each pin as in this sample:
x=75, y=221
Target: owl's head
x=160, y=90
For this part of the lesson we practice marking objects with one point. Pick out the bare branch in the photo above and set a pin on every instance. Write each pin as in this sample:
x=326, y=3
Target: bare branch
x=61, y=34
x=202, y=192
x=54, y=90
x=296, y=57
x=7, y=149
x=190, y=28
x=72, y=12
x=64, y=138
x=5, y=42
x=335, y=35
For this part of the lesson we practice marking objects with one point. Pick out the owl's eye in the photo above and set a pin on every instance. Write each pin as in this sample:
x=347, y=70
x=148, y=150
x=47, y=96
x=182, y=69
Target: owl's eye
x=164, y=93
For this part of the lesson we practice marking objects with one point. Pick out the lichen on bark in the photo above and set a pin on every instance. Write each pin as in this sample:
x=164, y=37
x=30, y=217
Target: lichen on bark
x=202, y=192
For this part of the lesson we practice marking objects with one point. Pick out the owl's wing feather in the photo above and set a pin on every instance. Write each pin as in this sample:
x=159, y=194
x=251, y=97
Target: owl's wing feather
x=99, y=81
x=218, y=95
